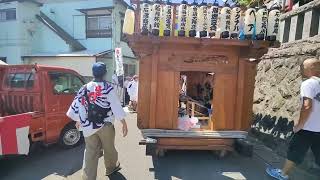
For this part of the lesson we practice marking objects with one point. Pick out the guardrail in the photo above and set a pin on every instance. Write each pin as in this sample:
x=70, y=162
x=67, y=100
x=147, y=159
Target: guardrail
x=300, y=23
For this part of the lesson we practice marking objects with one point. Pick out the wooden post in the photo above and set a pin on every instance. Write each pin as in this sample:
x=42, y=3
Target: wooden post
x=245, y=91
x=224, y=101
x=176, y=99
x=154, y=79
x=192, y=108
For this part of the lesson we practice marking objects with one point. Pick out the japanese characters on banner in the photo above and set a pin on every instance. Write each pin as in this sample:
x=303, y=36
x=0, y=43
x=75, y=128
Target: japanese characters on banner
x=193, y=16
x=203, y=19
x=167, y=14
x=213, y=19
x=145, y=13
x=119, y=62
x=235, y=22
x=249, y=22
x=182, y=18
x=273, y=23
x=209, y=19
x=155, y=18
x=261, y=23
x=225, y=21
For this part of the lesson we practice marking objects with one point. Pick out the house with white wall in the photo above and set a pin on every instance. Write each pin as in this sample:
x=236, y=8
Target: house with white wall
x=70, y=33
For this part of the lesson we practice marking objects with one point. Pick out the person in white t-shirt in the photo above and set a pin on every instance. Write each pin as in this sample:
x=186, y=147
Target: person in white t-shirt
x=133, y=92
x=99, y=134
x=307, y=129
x=126, y=94
x=115, y=78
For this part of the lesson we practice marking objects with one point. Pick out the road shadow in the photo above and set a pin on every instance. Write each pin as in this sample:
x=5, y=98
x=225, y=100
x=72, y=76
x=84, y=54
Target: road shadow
x=44, y=162
x=197, y=165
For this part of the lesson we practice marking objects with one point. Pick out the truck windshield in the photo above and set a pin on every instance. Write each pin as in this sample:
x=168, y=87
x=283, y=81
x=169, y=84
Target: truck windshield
x=20, y=80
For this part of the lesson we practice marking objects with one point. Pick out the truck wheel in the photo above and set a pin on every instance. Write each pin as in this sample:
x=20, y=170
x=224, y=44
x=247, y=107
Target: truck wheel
x=70, y=136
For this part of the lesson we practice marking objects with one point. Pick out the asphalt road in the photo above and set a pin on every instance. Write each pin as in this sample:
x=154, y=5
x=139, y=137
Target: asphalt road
x=54, y=163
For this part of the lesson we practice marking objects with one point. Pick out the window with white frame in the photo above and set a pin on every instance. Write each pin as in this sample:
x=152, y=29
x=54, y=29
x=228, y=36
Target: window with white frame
x=7, y=14
x=99, y=26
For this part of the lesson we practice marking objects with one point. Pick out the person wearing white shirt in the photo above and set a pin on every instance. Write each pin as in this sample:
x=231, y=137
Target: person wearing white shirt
x=307, y=129
x=133, y=92
x=115, y=78
x=126, y=94
x=98, y=135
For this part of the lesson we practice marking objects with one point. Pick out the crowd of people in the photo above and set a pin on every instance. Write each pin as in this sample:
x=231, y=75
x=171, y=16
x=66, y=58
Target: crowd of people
x=127, y=90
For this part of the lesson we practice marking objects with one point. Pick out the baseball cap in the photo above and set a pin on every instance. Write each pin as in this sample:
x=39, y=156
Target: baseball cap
x=99, y=69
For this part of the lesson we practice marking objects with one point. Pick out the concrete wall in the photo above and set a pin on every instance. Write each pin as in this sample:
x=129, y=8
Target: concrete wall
x=9, y=36
x=27, y=24
x=15, y=36
x=80, y=64
x=47, y=41
x=63, y=13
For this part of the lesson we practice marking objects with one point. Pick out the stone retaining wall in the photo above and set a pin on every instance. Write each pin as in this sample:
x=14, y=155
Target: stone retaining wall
x=277, y=91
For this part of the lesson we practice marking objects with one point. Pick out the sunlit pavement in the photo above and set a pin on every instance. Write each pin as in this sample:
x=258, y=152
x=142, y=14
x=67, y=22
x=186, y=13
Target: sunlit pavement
x=54, y=163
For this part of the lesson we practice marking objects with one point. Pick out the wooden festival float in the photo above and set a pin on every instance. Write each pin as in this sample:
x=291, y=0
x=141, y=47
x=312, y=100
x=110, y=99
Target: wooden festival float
x=169, y=61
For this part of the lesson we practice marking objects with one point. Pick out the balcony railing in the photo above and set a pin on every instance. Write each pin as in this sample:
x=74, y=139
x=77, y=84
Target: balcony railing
x=300, y=23
x=105, y=33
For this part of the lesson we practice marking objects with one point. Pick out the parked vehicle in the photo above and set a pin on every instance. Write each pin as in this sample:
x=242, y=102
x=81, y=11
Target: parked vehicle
x=47, y=93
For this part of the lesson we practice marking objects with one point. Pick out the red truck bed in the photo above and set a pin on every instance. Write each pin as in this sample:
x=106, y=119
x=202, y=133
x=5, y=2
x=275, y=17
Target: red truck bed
x=14, y=132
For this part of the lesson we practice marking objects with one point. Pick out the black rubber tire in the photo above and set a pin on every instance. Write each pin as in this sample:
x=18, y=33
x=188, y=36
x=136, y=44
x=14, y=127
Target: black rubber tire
x=69, y=127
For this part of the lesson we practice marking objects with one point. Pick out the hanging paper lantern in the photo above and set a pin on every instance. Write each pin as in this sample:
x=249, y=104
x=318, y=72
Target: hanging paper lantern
x=167, y=14
x=213, y=18
x=128, y=25
x=203, y=19
x=261, y=23
x=193, y=16
x=161, y=29
x=145, y=13
x=273, y=23
x=225, y=21
x=155, y=18
x=182, y=18
x=249, y=22
x=235, y=21
x=175, y=16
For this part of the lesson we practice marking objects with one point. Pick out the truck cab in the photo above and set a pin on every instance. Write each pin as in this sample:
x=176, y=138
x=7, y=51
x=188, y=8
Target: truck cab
x=47, y=92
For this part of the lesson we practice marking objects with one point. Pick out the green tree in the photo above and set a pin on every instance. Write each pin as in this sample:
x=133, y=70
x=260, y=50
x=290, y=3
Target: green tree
x=252, y=3
x=244, y=2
